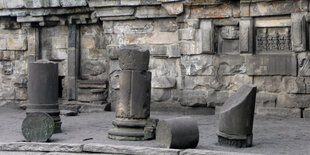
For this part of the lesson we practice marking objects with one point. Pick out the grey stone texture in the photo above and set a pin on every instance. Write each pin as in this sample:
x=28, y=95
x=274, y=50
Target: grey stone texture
x=208, y=46
x=177, y=133
x=236, y=118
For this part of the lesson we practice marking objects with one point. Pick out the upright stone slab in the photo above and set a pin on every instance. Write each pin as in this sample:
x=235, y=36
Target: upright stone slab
x=236, y=118
x=38, y=127
x=177, y=133
x=133, y=111
x=43, y=90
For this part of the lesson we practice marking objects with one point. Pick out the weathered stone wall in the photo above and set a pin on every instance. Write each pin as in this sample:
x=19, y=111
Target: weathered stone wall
x=201, y=50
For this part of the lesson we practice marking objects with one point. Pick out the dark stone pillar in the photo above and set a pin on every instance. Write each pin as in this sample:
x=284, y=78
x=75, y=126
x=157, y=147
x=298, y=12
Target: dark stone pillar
x=73, y=61
x=133, y=110
x=43, y=90
x=177, y=133
x=236, y=118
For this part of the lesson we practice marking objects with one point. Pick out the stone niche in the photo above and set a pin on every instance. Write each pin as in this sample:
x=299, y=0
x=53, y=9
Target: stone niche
x=227, y=39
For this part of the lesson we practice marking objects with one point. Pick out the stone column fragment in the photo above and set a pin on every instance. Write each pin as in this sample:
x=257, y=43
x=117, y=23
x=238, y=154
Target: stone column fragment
x=298, y=32
x=177, y=133
x=135, y=88
x=246, y=30
x=133, y=111
x=236, y=118
x=43, y=90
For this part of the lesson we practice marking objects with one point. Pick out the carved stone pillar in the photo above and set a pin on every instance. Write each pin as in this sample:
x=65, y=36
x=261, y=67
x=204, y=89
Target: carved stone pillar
x=43, y=90
x=133, y=110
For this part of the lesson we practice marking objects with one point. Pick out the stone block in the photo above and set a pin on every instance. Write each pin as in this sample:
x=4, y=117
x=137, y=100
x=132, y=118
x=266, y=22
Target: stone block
x=222, y=10
x=29, y=19
x=246, y=36
x=54, y=3
x=150, y=2
x=7, y=55
x=193, y=98
x=271, y=64
x=189, y=48
x=87, y=42
x=160, y=95
x=115, y=11
x=231, y=64
x=167, y=25
x=303, y=64
x=306, y=113
x=2, y=4
x=158, y=50
x=73, y=3
x=120, y=149
x=154, y=38
x=187, y=34
x=134, y=59
x=136, y=26
x=130, y=3
x=293, y=101
x=298, y=32
x=266, y=100
x=280, y=112
x=3, y=45
x=199, y=65
x=177, y=133
x=152, y=12
x=272, y=8
x=293, y=85
x=193, y=23
x=163, y=82
x=206, y=36
x=174, y=8
x=163, y=67
x=173, y=51
x=103, y=3
x=268, y=83
x=17, y=44
x=60, y=42
x=134, y=103
x=236, y=118
x=15, y=4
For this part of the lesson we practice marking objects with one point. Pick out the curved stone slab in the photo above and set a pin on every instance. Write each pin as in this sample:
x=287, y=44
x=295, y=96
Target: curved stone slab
x=236, y=117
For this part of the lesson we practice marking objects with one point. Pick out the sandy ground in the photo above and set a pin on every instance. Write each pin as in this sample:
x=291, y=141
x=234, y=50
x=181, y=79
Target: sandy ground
x=272, y=135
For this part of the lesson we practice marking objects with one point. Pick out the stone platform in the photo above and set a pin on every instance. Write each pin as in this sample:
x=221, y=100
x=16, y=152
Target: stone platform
x=87, y=133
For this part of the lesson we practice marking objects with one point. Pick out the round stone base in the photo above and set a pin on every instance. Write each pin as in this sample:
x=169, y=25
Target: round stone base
x=234, y=140
x=127, y=129
x=57, y=127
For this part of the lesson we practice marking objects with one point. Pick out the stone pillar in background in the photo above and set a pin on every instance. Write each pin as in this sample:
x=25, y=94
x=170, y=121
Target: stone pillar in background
x=133, y=110
x=236, y=118
x=43, y=90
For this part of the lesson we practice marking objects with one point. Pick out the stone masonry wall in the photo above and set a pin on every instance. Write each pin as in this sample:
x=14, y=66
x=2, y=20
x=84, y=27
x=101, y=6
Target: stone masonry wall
x=201, y=50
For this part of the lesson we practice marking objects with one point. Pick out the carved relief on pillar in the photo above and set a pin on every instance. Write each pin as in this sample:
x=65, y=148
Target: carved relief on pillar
x=273, y=39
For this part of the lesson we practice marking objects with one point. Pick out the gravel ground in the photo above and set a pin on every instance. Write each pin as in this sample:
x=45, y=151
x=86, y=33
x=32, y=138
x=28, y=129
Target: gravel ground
x=272, y=135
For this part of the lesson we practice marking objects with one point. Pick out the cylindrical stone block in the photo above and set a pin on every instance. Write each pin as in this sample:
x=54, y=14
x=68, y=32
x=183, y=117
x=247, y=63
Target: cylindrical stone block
x=38, y=127
x=177, y=133
x=135, y=93
x=133, y=58
x=43, y=90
